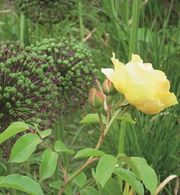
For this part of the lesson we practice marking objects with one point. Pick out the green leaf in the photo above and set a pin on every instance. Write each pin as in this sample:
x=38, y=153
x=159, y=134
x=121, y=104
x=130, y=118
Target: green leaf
x=48, y=163
x=22, y=183
x=12, y=130
x=89, y=191
x=105, y=169
x=130, y=178
x=59, y=146
x=89, y=152
x=145, y=34
x=56, y=184
x=3, y=169
x=111, y=187
x=45, y=133
x=147, y=174
x=92, y=118
x=80, y=180
x=69, y=189
x=122, y=158
x=126, y=117
x=24, y=147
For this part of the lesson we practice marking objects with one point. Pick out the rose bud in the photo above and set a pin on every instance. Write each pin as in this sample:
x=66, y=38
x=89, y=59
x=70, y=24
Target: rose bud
x=96, y=98
x=108, y=87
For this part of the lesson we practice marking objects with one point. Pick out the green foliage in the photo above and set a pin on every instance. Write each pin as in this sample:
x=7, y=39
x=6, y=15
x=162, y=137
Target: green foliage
x=149, y=137
x=105, y=169
x=12, y=130
x=48, y=164
x=89, y=191
x=44, y=11
x=22, y=183
x=105, y=26
x=112, y=187
x=59, y=146
x=131, y=179
x=80, y=180
x=45, y=133
x=24, y=147
x=92, y=118
x=147, y=174
x=89, y=152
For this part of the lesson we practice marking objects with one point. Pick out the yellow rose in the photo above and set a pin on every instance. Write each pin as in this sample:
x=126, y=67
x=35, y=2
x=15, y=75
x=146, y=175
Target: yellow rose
x=144, y=87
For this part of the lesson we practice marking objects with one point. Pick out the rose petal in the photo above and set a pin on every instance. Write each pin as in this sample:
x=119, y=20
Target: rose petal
x=108, y=72
x=136, y=59
x=116, y=62
x=152, y=106
x=167, y=98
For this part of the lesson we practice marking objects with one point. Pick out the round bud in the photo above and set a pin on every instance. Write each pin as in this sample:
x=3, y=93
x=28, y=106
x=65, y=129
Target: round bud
x=75, y=66
x=46, y=11
x=21, y=97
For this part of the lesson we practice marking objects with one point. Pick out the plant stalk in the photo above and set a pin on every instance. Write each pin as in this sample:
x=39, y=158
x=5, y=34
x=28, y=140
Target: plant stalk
x=122, y=135
x=59, y=135
x=22, y=28
x=81, y=26
x=91, y=160
x=134, y=27
x=10, y=165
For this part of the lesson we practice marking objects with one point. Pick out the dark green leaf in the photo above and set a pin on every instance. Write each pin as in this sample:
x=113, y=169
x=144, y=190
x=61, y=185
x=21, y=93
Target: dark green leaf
x=24, y=147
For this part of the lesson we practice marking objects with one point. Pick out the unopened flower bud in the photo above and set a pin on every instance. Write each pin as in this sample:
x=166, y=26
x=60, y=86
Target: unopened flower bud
x=109, y=99
x=108, y=87
x=96, y=98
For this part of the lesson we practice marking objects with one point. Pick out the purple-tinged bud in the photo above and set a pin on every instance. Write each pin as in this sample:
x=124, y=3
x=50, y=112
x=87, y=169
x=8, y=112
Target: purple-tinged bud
x=96, y=98
x=108, y=87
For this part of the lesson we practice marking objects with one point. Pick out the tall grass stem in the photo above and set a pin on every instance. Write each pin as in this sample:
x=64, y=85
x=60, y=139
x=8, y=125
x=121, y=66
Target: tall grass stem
x=81, y=26
x=22, y=28
x=134, y=27
x=122, y=135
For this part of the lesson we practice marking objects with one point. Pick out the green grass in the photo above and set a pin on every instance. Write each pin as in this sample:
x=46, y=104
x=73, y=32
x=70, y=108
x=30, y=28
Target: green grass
x=150, y=29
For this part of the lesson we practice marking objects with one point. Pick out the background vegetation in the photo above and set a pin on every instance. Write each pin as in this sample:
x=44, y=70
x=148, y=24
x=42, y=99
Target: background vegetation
x=152, y=30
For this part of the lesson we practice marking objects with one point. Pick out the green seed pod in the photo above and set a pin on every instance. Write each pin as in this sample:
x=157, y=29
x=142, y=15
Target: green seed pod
x=19, y=99
x=74, y=63
x=46, y=11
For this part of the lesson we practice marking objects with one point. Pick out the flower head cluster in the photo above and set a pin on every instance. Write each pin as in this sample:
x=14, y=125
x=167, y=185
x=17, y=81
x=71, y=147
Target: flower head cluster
x=46, y=11
x=27, y=90
x=75, y=65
